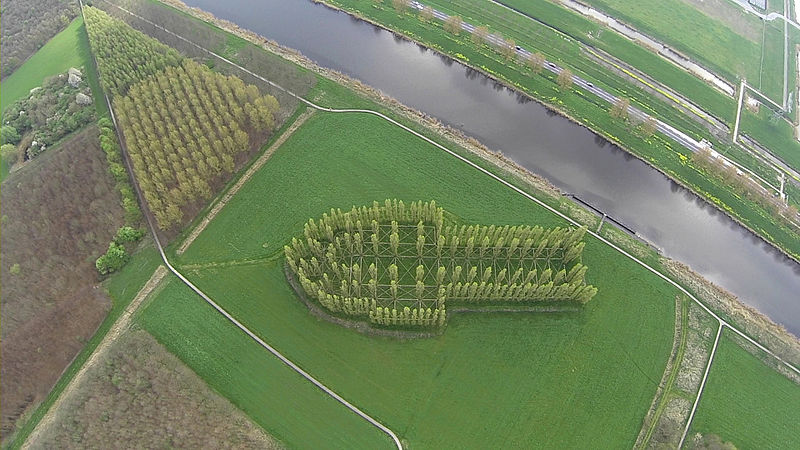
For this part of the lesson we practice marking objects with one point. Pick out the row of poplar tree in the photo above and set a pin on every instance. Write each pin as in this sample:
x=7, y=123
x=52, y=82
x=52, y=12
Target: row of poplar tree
x=183, y=124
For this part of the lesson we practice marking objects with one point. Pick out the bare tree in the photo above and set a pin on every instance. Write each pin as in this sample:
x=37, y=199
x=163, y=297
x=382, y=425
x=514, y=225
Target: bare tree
x=479, y=35
x=649, y=127
x=536, y=62
x=620, y=108
x=401, y=5
x=426, y=15
x=564, y=79
x=508, y=49
x=453, y=25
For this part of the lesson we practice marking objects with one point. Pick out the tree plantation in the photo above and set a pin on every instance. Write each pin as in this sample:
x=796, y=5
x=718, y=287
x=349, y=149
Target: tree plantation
x=397, y=265
x=186, y=127
x=124, y=55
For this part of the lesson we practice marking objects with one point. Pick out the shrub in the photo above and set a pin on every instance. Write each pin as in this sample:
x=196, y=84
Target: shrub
x=113, y=260
x=9, y=135
x=128, y=234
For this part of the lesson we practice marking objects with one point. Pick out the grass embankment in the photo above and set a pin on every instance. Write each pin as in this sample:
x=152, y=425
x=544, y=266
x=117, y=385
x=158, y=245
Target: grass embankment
x=774, y=133
x=717, y=44
x=748, y=403
x=589, y=372
x=122, y=288
x=666, y=155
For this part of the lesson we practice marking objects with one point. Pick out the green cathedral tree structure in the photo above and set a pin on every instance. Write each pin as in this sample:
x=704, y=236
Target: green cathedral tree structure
x=399, y=265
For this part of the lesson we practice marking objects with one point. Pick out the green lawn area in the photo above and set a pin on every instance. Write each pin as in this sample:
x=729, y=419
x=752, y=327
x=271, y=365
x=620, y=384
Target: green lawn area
x=771, y=77
x=490, y=381
x=677, y=23
x=275, y=397
x=68, y=48
x=748, y=403
x=774, y=133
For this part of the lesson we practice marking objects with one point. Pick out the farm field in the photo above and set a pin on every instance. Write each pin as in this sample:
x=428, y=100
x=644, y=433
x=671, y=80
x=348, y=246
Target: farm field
x=67, y=49
x=558, y=356
x=671, y=158
x=732, y=48
x=777, y=135
x=231, y=363
x=138, y=392
x=748, y=403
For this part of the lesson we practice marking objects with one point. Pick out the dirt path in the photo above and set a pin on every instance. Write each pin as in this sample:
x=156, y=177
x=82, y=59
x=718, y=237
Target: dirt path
x=247, y=175
x=119, y=327
x=668, y=378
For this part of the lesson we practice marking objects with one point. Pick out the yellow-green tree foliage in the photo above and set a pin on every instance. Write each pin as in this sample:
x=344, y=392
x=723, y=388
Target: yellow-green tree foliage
x=184, y=128
x=124, y=55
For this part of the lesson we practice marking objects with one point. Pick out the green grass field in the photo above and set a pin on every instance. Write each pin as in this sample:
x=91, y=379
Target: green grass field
x=748, y=403
x=67, y=49
x=677, y=23
x=771, y=76
x=275, y=397
x=576, y=378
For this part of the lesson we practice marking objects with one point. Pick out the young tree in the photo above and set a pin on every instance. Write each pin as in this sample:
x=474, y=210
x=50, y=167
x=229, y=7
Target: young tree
x=453, y=25
x=426, y=15
x=479, y=35
x=536, y=62
x=564, y=79
x=649, y=127
x=508, y=49
x=620, y=109
x=401, y=5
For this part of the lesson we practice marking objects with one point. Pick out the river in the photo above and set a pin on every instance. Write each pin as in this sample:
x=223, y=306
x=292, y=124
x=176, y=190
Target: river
x=571, y=157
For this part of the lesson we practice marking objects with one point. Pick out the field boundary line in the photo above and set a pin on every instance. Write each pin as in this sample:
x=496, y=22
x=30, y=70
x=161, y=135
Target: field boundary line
x=721, y=321
x=120, y=325
x=244, y=178
x=702, y=385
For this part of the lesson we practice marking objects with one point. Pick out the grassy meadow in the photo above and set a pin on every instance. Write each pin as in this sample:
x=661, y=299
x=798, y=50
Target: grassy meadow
x=576, y=378
x=748, y=403
x=730, y=52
